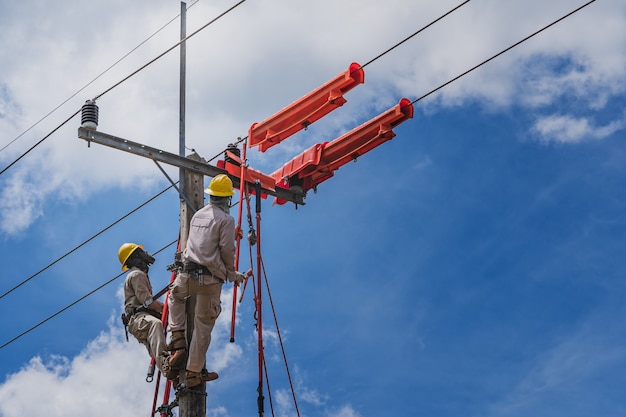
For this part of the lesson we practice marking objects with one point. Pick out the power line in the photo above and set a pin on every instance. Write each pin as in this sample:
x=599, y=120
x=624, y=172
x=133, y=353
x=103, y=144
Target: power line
x=224, y=13
x=93, y=80
x=503, y=51
x=85, y=242
x=76, y=301
x=125, y=79
x=416, y=100
x=39, y=143
x=94, y=290
x=99, y=232
x=73, y=250
x=415, y=33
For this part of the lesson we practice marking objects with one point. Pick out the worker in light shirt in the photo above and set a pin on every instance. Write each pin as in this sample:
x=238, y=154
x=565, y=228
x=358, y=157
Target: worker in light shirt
x=142, y=314
x=208, y=261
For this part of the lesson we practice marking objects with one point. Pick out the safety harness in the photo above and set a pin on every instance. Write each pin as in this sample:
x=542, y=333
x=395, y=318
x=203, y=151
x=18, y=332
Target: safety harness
x=127, y=315
x=142, y=308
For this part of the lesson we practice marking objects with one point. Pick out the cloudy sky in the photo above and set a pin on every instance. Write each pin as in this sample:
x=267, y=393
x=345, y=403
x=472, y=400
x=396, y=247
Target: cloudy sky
x=474, y=265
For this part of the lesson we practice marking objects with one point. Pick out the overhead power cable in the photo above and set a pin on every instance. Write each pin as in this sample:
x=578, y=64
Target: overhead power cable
x=39, y=143
x=415, y=33
x=93, y=80
x=76, y=248
x=125, y=79
x=76, y=301
x=416, y=100
x=503, y=51
x=85, y=242
x=100, y=232
x=224, y=13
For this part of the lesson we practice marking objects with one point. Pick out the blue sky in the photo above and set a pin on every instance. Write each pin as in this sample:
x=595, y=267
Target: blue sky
x=472, y=266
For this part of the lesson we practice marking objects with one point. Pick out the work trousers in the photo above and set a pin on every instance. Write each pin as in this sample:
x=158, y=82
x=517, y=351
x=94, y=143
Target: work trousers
x=148, y=330
x=206, y=311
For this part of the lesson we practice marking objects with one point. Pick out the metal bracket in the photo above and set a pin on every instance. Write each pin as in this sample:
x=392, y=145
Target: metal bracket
x=176, y=160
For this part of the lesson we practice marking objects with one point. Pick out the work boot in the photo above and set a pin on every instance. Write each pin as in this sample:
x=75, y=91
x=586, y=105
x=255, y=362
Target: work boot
x=162, y=362
x=174, y=363
x=178, y=360
x=177, y=341
x=208, y=376
x=168, y=372
x=194, y=379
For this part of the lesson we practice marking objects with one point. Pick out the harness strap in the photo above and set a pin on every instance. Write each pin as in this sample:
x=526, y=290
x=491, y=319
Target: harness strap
x=190, y=266
x=128, y=315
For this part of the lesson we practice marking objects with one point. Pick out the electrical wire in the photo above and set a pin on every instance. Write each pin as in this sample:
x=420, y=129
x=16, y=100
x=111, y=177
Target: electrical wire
x=85, y=242
x=126, y=79
x=79, y=246
x=416, y=100
x=39, y=143
x=93, y=80
x=76, y=301
x=76, y=248
x=224, y=13
x=415, y=33
x=503, y=51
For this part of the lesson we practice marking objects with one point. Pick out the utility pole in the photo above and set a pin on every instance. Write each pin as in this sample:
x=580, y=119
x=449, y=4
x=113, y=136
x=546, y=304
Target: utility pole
x=191, y=401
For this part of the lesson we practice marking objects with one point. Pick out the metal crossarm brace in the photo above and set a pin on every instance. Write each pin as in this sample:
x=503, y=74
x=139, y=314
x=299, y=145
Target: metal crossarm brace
x=155, y=154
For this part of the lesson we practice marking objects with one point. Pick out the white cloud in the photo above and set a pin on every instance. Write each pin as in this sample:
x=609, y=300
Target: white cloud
x=569, y=129
x=8, y=109
x=223, y=354
x=285, y=406
x=308, y=399
x=217, y=412
x=50, y=56
x=345, y=411
x=19, y=205
x=106, y=377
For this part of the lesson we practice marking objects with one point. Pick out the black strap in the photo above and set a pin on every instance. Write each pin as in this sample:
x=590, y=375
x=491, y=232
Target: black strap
x=190, y=266
x=142, y=309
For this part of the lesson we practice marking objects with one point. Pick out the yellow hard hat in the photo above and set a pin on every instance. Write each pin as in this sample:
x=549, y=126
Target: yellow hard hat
x=124, y=252
x=220, y=186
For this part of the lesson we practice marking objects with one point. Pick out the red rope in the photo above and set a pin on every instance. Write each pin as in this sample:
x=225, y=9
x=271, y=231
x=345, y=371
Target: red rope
x=168, y=383
x=280, y=339
x=269, y=389
x=257, y=288
x=258, y=305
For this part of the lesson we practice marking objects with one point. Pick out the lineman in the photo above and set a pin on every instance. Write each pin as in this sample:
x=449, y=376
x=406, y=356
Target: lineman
x=208, y=261
x=142, y=314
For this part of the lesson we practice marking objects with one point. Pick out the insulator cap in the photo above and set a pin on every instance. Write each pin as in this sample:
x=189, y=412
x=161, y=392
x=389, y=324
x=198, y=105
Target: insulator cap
x=235, y=150
x=89, y=116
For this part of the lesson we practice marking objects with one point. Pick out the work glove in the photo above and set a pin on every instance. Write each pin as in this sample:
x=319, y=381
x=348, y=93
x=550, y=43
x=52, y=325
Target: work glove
x=238, y=233
x=239, y=278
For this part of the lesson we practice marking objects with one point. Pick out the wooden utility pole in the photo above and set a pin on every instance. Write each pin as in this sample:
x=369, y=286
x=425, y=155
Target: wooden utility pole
x=191, y=401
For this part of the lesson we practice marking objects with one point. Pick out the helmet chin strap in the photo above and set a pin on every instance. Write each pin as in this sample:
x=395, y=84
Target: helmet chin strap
x=140, y=259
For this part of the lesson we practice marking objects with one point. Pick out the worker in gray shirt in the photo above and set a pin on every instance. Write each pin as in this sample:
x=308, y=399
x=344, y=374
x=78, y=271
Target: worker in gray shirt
x=208, y=261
